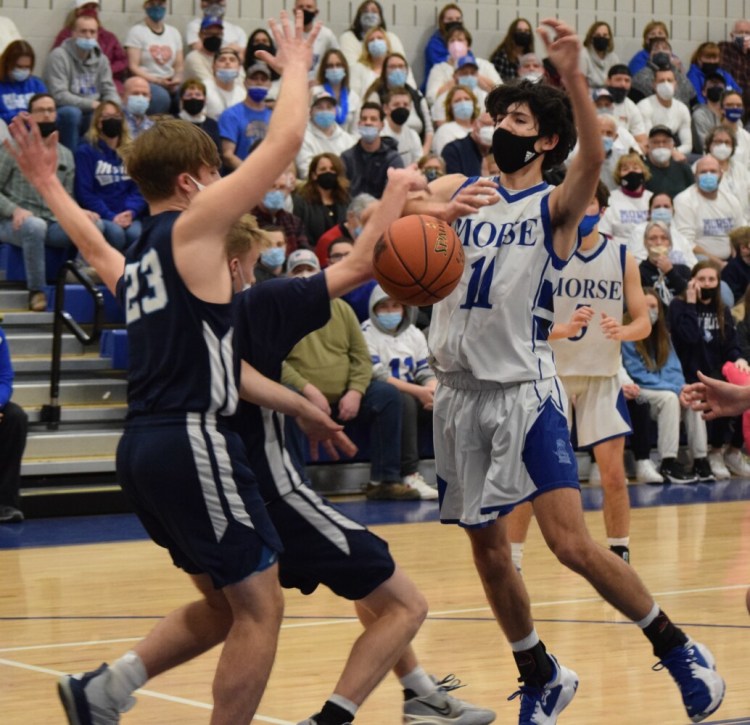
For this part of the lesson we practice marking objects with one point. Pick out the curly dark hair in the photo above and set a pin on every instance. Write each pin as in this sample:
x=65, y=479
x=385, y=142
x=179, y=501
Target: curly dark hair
x=550, y=107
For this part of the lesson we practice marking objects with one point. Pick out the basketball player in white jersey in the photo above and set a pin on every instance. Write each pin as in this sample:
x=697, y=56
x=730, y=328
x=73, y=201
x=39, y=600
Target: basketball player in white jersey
x=599, y=282
x=501, y=437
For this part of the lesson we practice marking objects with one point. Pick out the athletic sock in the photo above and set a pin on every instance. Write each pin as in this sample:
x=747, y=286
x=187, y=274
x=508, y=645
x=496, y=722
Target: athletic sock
x=125, y=677
x=516, y=553
x=417, y=684
x=534, y=666
x=336, y=711
x=663, y=634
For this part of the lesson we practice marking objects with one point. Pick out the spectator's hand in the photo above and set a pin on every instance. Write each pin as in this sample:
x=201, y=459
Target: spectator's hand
x=692, y=292
x=291, y=45
x=564, y=49
x=678, y=156
x=663, y=263
x=317, y=398
x=20, y=215
x=94, y=105
x=742, y=365
x=92, y=215
x=426, y=396
x=124, y=219
x=686, y=395
x=470, y=198
x=631, y=391
x=611, y=327
x=349, y=405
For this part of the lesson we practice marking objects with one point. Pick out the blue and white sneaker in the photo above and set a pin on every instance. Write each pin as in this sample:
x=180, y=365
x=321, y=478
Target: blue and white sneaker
x=693, y=668
x=541, y=706
x=85, y=699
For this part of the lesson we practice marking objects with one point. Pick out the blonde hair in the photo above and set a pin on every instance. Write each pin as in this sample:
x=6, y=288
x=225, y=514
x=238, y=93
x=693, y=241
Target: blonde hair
x=624, y=159
x=94, y=135
x=244, y=236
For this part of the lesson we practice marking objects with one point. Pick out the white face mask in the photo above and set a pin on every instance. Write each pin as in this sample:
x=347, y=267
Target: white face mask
x=653, y=315
x=721, y=151
x=198, y=184
x=665, y=91
x=661, y=155
x=485, y=135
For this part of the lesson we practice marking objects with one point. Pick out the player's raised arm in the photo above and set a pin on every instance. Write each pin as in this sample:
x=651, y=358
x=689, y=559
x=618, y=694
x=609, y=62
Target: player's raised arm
x=37, y=159
x=568, y=201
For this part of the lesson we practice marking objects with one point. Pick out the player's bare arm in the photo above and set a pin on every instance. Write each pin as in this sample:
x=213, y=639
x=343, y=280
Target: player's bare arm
x=199, y=235
x=635, y=303
x=357, y=267
x=37, y=159
x=441, y=200
x=568, y=201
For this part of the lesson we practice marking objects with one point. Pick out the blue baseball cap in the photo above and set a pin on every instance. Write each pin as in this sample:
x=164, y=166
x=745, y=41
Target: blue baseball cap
x=468, y=59
x=211, y=21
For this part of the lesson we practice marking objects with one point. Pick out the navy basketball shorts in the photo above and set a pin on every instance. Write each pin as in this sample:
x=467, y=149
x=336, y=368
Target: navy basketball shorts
x=188, y=480
x=322, y=546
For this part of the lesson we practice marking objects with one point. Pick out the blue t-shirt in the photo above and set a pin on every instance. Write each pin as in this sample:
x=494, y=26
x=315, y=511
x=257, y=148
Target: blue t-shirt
x=243, y=126
x=14, y=96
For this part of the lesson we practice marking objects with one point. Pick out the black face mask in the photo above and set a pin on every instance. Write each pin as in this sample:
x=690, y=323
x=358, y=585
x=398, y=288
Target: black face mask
x=212, y=43
x=512, y=152
x=328, y=180
x=600, y=44
x=193, y=106
x=112, y=127
x=714, y=93
x=708, y=294
x=661, y=59
x=47, y=128
x=632, y=181
x=260, y=46
x=709, y=68
x=399, y=116
x=618, y=94
x=308, y=16
x=522, y=38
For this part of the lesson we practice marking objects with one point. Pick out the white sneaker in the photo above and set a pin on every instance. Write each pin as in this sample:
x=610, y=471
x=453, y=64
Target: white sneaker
x=716, y=461
x=417, y=482
x=737, y=463
x=645, y=472
x=595, y=478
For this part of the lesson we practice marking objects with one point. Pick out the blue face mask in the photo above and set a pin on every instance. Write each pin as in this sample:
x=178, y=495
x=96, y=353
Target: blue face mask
x=734, y=114
x=273, y=257
x=156, y=12
x=86, y=44
x=389, y=320
x=137, y=105
x=377, y=47
x=227, y=75
x=463, y=110
x=274, y=200
x=607, y=143
x=335, y=75
x=357, y=231
x=661, y=214
x=324, y=119
x=257, y=94
x=20, y=74
x=587, y=224
x=708, y=182
x=368, y=133
x=469, y=82
x=397, y=78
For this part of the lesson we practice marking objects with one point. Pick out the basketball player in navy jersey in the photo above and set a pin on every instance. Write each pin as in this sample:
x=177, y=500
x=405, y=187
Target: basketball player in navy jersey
x=322, y=545
x=500, y=430
x=184, y=469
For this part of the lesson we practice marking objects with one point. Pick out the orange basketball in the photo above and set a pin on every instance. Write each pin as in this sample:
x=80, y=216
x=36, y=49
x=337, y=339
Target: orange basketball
x=419, y=260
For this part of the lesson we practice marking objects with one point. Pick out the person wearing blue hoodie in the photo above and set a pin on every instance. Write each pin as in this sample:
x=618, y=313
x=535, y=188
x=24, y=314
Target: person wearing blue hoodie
x=17, y=84
x=102, y=185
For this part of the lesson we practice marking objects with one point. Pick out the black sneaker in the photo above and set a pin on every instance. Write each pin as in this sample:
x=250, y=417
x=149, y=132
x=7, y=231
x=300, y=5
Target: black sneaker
x=622, y=551
x=702, y=470
x=674, y=472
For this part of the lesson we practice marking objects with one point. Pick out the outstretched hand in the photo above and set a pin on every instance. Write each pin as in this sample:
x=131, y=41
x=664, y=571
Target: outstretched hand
x=716, y=398
x=322, y=430
x=564, y=49
x=469, y=199
x=35, y=156
x=291, y=44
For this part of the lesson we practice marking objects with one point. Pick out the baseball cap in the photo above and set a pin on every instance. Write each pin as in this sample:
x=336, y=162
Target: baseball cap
x=211, y=21
x=660, y=128
x=321, y=94
x=598, y=93
x=302, y=257
x=258, y=67
x=467, y=59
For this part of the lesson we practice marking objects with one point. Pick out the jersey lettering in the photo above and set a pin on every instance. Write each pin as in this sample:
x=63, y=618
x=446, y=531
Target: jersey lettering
x=589, y=289
x=483, y=234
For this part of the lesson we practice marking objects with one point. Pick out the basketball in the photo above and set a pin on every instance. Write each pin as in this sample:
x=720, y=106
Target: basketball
x=419, y=260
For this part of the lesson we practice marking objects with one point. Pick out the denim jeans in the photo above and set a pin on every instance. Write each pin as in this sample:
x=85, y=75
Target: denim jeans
x=118, y=237
x=31, y=237
x=72, y=123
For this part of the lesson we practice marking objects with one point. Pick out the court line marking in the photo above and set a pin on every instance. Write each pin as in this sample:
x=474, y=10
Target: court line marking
x=146, y=693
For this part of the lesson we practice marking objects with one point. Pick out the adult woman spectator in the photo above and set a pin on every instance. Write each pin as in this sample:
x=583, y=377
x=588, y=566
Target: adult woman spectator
x=628, y=204
x=704, y=338
x=396, y=74
x=461, y=109
x=321, y=202
x=369, y=15
x=436, y=50
x=518, y=41
x=369, y=65
x=660, y=270
x=599, y=54
x=705, y=62
x=193, y=109
x=654, y=29
x=441, y=77
x=108, y=42
x=333, y=77
x=102, y=185
x=155, y=53
x=260, y=39
x=17, y=84
x=653, y=365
